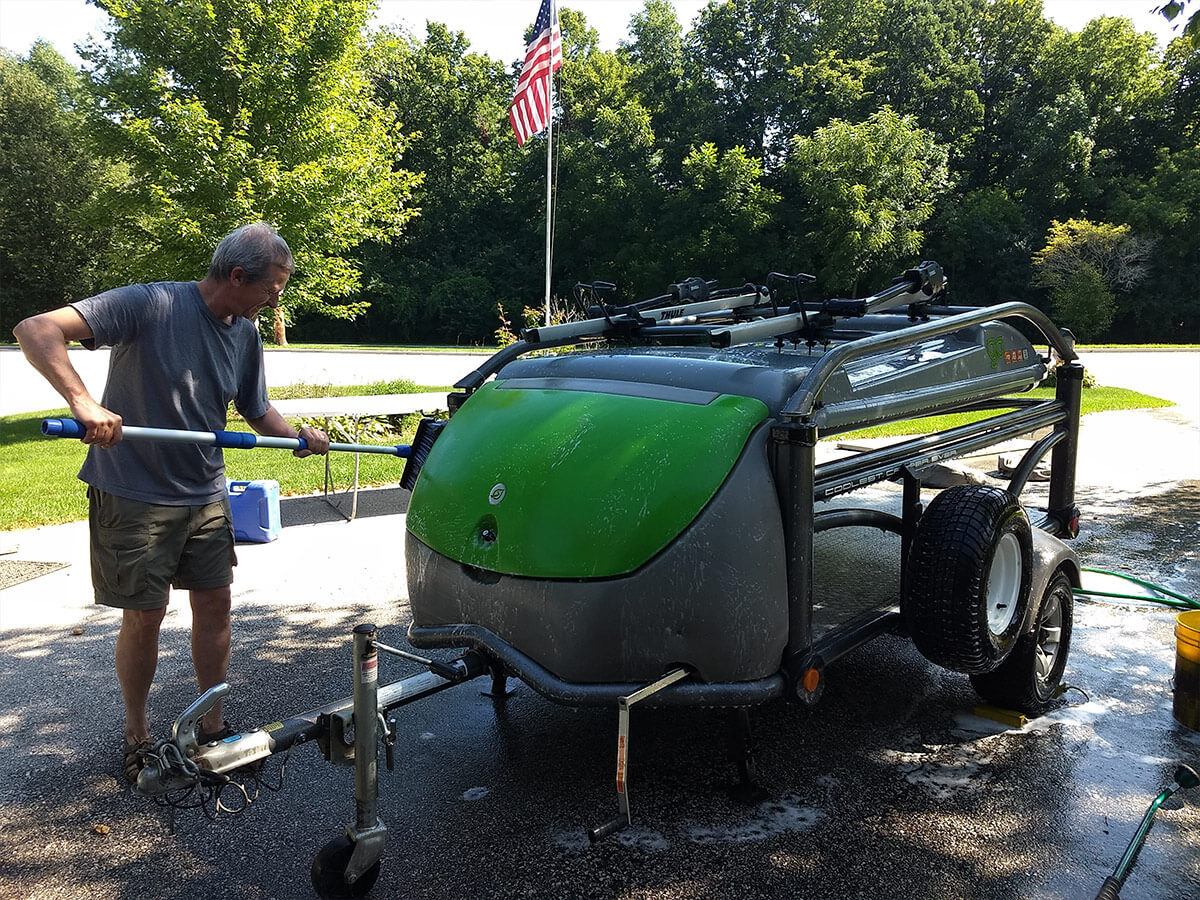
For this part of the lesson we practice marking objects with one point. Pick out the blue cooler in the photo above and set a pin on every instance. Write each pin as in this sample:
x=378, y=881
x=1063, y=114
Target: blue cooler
x=255, y=507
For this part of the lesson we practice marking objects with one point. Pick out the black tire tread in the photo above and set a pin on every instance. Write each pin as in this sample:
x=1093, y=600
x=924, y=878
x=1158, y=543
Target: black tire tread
x=1014, y=685
x=947, y=563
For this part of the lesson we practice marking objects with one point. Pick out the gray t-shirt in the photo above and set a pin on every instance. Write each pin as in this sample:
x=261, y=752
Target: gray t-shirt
x=173, y=365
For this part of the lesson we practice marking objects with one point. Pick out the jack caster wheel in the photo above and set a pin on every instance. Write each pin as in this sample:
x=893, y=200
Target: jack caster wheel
x=329, y=871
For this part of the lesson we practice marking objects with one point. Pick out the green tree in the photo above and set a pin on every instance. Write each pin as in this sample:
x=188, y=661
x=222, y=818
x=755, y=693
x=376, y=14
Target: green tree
x=470, y=246
x=860, y=194
x=718, y=222
x=749, y=55
x=609, y=194
x=1082, y=264
x=1093, y=111
x=53, y=239
x=1181, y=64
x=1009, y=40
x=1119, y=71
x=981, y=239
x=1189, y=26
x=660, y=79
x=1083, y=302
x=235, y=110
x=1165, y=208
x=1065, y=114
x=769, y=70
x=922, y=65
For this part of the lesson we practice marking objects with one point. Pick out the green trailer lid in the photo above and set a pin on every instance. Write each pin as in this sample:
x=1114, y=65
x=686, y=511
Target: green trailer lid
x=569, y=483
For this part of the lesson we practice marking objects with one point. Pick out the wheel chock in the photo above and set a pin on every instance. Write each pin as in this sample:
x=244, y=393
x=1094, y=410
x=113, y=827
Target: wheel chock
x=1009, y=717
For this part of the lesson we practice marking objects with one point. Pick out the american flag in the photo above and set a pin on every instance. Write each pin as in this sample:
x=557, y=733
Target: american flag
x=530, y=112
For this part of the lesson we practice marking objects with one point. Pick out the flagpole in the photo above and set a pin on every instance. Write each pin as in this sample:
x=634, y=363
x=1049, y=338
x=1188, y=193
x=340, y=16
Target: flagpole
x=549, y=156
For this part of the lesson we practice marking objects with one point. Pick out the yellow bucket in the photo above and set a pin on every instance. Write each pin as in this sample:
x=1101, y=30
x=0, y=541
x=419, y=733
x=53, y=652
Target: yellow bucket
x=1187, y=669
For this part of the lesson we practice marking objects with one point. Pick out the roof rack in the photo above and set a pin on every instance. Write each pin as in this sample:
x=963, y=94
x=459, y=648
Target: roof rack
x=694, y=312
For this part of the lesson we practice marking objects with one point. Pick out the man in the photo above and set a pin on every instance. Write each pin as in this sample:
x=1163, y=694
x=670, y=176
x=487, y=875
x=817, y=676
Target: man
x=159, y=512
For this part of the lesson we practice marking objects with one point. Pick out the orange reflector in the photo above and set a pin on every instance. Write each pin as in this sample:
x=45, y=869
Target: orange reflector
x=811, y=679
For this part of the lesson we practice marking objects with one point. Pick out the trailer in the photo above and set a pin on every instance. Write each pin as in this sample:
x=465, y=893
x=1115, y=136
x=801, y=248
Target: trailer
x=649, y=506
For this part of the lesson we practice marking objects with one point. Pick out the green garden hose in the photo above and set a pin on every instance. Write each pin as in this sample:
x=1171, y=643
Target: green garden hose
x=1185, y=778
x=1158, y=594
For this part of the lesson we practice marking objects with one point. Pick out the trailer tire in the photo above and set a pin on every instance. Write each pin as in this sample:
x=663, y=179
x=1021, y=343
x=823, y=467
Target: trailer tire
x=1030, y=677
x=966, y=587
x=329, y=871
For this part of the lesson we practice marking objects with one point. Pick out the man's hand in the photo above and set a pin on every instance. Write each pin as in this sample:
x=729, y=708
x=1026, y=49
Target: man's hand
x=273, y=424
x=317, y=440
x=103, y=426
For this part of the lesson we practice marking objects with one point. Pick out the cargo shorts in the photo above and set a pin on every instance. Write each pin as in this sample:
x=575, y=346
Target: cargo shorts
x=139, y=551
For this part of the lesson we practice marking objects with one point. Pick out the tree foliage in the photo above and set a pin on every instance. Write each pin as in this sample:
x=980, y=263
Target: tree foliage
x=1118, y=257
x=1084, y=263
x=850, y=139
x=1188, y=26
x=981, y=239
x=864, y=191
x=719, y=221
x=52, y=242
x=230, y=111
x=1165, y=209
x=441, y=280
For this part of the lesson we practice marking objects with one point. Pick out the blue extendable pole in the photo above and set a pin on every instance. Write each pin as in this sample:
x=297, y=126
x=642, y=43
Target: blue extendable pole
x=233, y=440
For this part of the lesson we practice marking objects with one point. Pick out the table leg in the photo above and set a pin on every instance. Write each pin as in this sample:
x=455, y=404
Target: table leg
x=354, y=502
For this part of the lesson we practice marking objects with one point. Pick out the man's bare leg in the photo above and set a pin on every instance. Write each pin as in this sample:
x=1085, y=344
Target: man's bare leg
x=210, y=644
x=137, y=660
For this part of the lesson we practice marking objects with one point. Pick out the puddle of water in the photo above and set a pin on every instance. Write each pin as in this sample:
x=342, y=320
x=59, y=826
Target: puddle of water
x=635, y=838
x=570, y=840
x=785, y=815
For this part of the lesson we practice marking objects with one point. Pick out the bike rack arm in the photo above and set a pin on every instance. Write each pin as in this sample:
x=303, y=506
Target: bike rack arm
x=926, y=279
x=804, y=400
x=499, y=360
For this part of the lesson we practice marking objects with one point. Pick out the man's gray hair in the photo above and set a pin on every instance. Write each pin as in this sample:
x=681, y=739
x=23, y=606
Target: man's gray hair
x=256, y=247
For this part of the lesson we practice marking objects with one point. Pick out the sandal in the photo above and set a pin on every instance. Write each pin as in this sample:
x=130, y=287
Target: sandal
x=135, y=758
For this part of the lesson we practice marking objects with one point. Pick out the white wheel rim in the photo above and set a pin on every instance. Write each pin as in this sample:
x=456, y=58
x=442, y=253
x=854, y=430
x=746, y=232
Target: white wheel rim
x=1004, y=584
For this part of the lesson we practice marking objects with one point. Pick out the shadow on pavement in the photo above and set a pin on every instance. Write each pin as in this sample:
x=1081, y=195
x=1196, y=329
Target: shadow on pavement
x=314, y=509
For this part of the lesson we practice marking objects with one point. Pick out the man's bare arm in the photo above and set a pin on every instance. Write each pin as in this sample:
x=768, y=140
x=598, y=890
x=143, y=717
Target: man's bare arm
x=43, y=340
x=274, y=424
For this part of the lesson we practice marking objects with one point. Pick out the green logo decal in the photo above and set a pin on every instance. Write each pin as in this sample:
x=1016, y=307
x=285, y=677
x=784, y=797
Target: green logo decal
x=995, y=350
x=997, y=354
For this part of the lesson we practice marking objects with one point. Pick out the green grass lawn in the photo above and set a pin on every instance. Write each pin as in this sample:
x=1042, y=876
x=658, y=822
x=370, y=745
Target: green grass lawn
x=1096, y=399
x=40, y=488
x=38, y=473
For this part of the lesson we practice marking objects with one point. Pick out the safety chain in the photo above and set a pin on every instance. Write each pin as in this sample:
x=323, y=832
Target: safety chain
x=207, y=790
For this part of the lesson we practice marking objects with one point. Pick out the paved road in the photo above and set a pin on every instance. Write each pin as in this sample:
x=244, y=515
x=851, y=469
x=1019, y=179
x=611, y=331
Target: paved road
x=890, y=788
x=1171, y=374
x=23, y=390
x=1174, y=375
